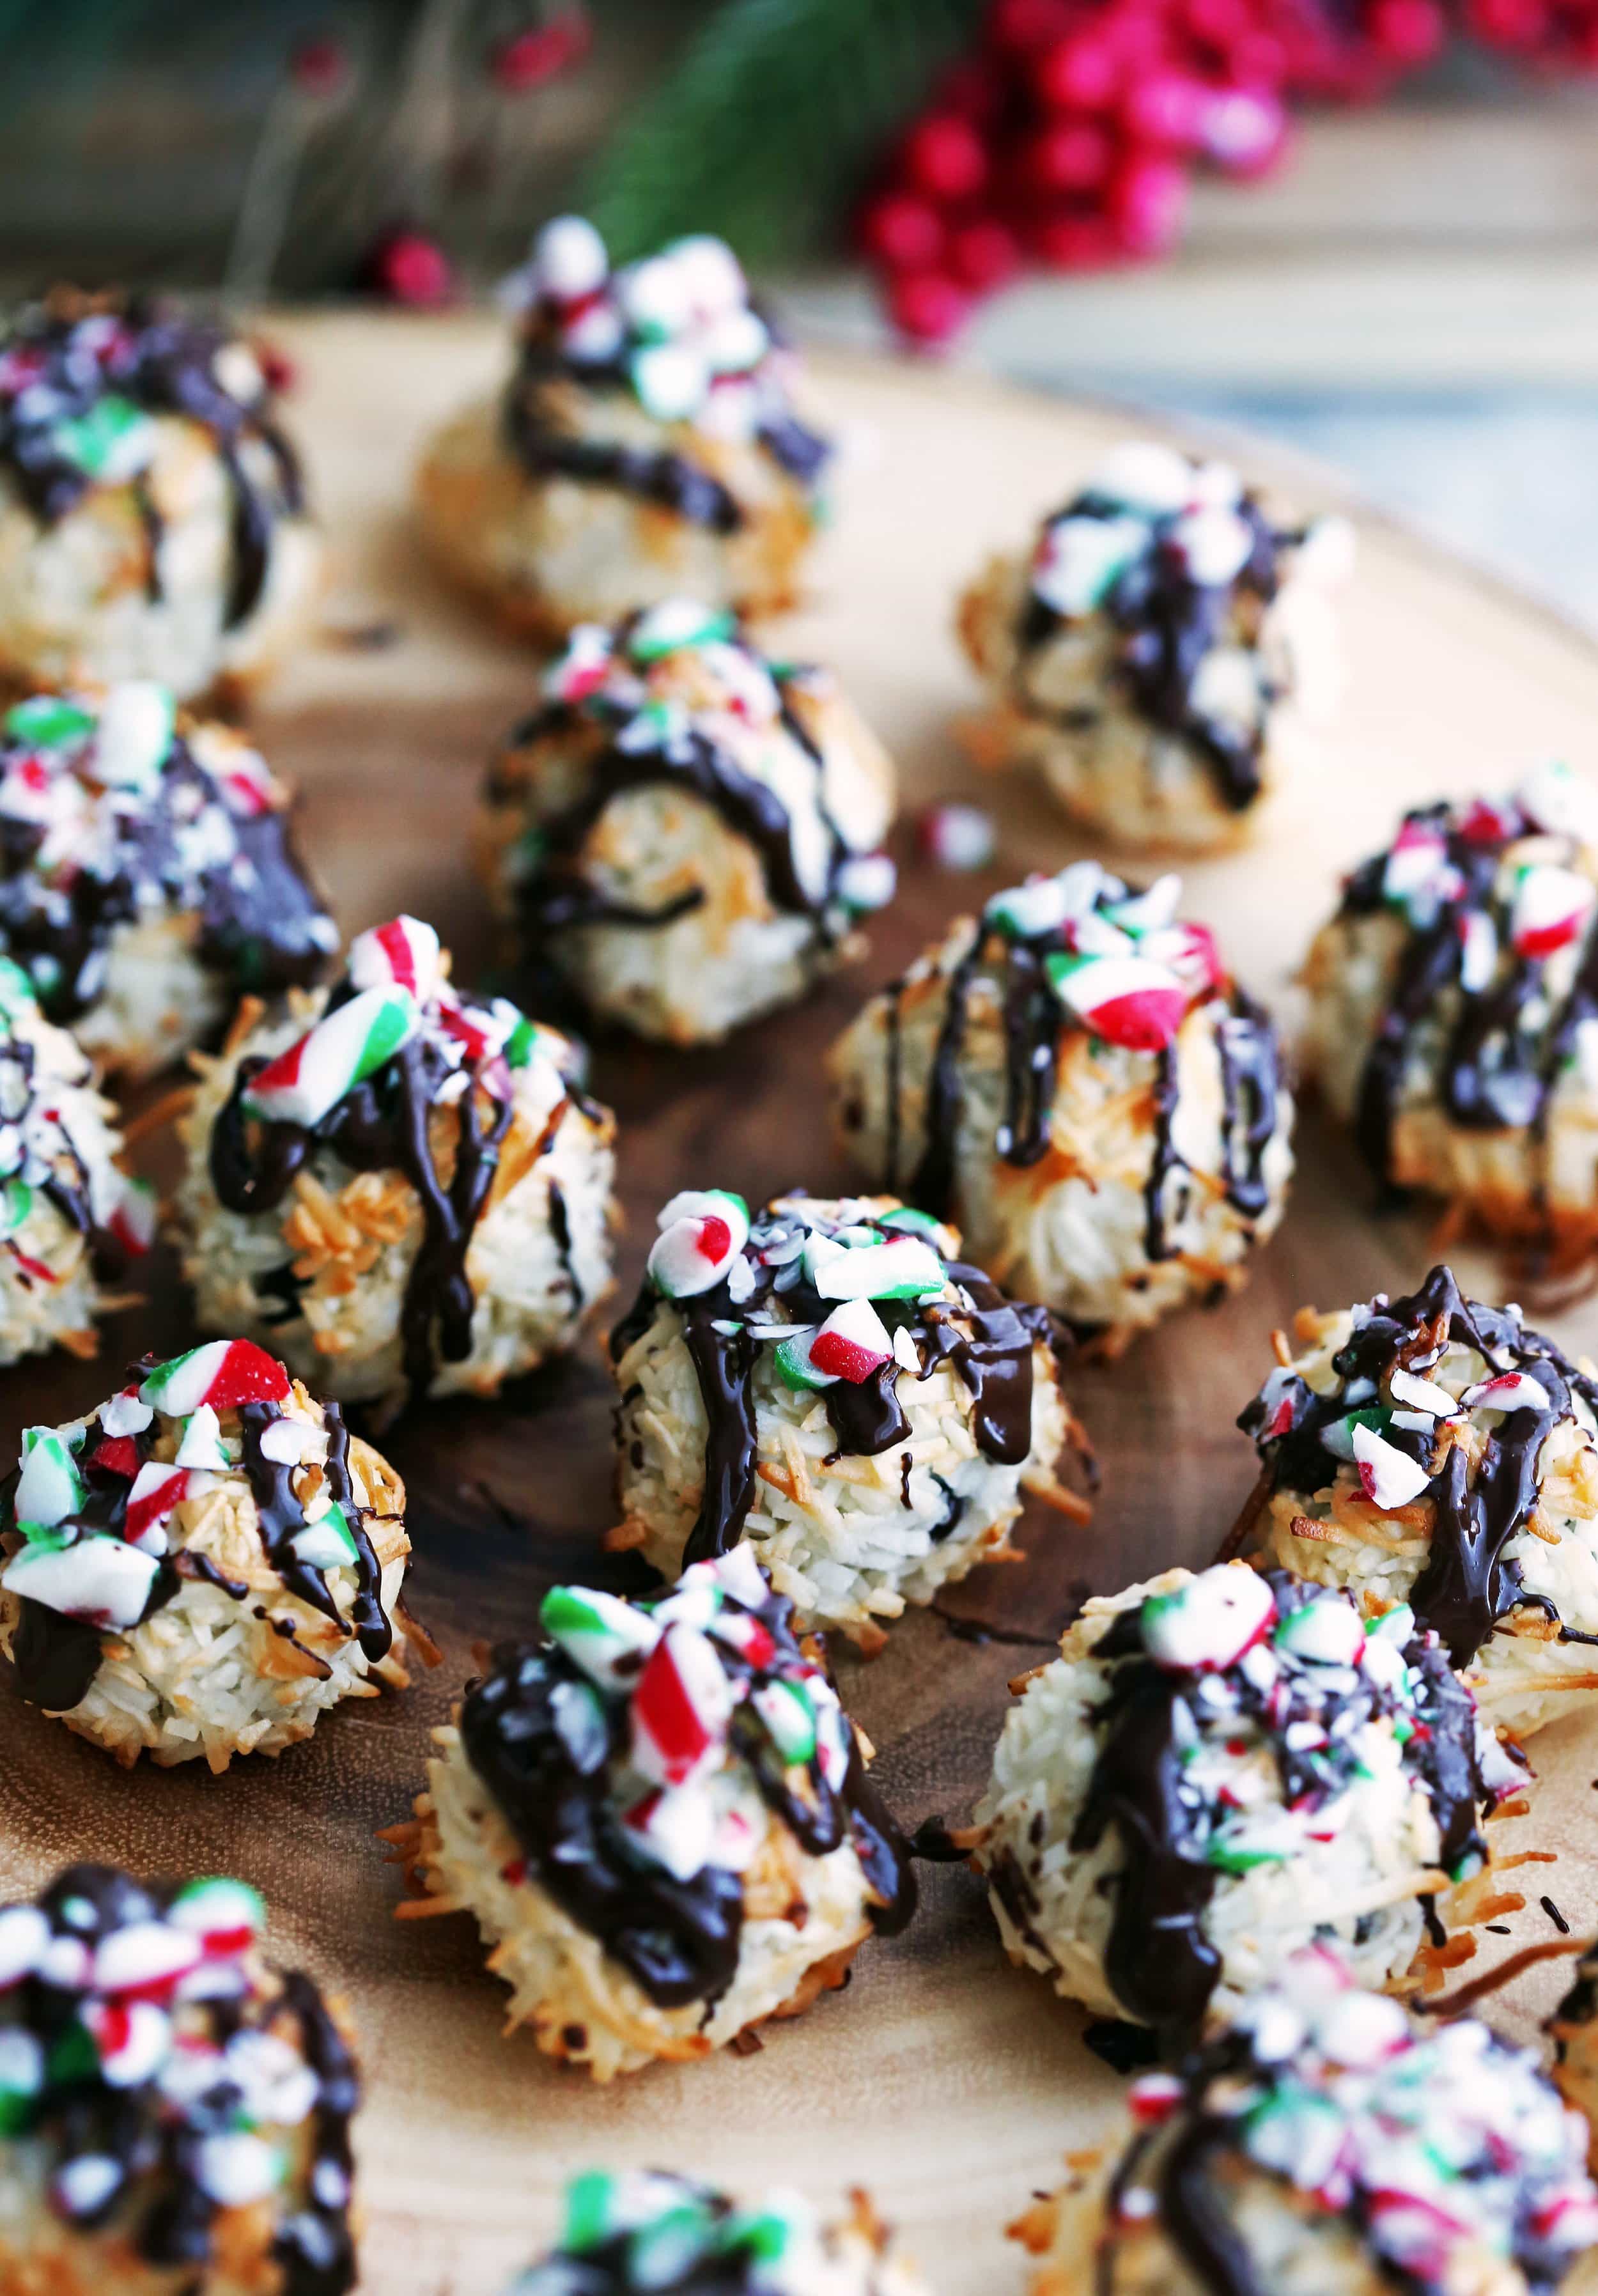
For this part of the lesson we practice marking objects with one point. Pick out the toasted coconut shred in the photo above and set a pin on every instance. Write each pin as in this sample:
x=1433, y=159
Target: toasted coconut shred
x=1145, y=659
x=1322, y=2142
x=644, y=2233
x=661, y=1819
x=1222, y=1768
x=177, y=2110
x=684, y=829
x=833, y=1383
x=1075, y=1080
x=204, y=1565
x=647, y=445
x=1438, y=1451
x=399, y=1186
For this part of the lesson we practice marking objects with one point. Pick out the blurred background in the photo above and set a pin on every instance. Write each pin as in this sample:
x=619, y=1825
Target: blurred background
x=1368, y=227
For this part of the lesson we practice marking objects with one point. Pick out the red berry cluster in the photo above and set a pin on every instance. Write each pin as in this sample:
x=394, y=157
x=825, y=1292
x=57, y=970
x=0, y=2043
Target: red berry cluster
x=1554, y=35
x=1068, y=137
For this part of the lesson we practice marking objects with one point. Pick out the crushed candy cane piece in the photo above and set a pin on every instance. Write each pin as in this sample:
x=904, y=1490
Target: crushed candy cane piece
x=1388, y=1477
x=347, y=1045
x=223, y=1373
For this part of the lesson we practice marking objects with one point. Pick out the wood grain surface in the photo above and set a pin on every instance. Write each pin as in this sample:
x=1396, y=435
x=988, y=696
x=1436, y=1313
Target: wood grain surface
x=948, y=2082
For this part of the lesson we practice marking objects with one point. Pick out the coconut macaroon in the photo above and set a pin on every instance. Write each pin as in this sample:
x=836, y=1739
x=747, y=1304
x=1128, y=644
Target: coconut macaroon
x=1219, y=1769
x=1144, y=656
x=397, y=1186
x=71, y=1219
x=176, y=2110
x=832, y=1382
x=660, y=1815
x=652, y=2234
x=1453, y=1011
x=1435, y=1451
x=153, y=522
x=1574, y=2027
x=1326, y=2146
x=148, y=872
x=647, y=445
x=683, y=830
x=1075, y=1079
x=204, y=1565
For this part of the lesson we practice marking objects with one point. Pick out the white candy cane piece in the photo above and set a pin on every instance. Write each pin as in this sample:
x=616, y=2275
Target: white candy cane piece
x=101, y=1579
x=403, y=953
x=1388, y=1477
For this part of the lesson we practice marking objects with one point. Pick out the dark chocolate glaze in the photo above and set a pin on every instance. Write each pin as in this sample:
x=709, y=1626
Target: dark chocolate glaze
x=990, y=1347
x=155, y=2148
x=1034, y=1017
x=57, y=1658
x=679, y=1939
x=1468, y=1583
x=162, y=360
x=260, y=915
x=1167, y=624
x=1502, y=1048
x=383, y=1125
x=1161, y=1966
x=726, y=2263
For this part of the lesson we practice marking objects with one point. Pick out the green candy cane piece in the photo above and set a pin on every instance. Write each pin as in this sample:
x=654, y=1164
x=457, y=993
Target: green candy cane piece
x=590, y=2211
x=112, y=441
x=49, y=721
x=17, y=994
x=50, y=1489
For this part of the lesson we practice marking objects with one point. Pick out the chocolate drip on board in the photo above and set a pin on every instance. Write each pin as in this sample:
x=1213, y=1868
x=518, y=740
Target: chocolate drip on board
x=1168, y=623
x=1033, y=1020
x=383, y=1125
x=164, y=363
x=679, y=1939
x=1469, y=1582
x=1161, y=1966
x=258, y=912
x=990, y=1347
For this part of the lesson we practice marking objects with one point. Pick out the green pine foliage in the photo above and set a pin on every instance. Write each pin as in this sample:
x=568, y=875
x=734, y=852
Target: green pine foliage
x=763, y=131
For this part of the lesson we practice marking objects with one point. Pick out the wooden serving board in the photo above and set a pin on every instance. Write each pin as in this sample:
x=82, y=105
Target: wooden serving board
x=948, y=2082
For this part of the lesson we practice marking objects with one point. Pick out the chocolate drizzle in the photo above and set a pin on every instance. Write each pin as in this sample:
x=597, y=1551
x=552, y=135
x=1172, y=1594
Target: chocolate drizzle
x=539, y=433
x=1160, y=1963
x=679, y=1939
x=1034, y=1019
x=152, y=2145
x=1500, y=1045
x=384, y=1124
x=1469, y=1582
x=281, y=1515
x=261, y=925
x=1168, y=623
x=79, y=353
x=989, y=1344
